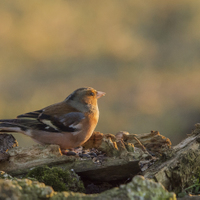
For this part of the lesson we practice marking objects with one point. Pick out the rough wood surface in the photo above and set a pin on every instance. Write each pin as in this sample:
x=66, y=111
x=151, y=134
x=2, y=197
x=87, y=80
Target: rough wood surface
x=153, y=142
x=122, y=160
x=149, y=154
x=176, y=169
x=6, y=142
x=22, y=159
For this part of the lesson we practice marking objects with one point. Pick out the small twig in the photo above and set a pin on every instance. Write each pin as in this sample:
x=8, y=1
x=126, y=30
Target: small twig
x=143, y=147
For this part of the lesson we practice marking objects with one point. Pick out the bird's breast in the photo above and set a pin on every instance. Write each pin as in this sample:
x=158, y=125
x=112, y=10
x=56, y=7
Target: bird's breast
x=88, y=125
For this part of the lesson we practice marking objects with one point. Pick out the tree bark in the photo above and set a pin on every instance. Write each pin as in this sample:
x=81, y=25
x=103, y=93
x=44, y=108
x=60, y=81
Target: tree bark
x=177, y=167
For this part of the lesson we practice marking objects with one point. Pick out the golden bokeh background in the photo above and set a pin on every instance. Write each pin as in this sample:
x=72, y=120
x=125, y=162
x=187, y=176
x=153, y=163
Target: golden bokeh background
x=144, y=54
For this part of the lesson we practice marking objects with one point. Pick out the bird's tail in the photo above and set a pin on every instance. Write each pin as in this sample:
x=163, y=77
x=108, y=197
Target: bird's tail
x=12, y=125
x=23, y=125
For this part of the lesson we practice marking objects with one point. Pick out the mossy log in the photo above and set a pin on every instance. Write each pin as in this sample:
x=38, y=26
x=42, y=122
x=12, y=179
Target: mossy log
x=139, y=188
x=148, y=154
x=21, y=160
x=121, y=160
x=179, y=165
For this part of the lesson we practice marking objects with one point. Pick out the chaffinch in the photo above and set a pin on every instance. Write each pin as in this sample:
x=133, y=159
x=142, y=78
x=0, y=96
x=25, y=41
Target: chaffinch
x=68, y=124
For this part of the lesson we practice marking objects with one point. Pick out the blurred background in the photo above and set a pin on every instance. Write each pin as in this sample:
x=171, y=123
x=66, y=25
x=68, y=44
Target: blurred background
x=144, y=54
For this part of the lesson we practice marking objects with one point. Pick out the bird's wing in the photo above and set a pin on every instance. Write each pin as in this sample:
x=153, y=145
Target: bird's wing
x=34, y=114
x=58, y=116
x=38, y=120
x=69, y=122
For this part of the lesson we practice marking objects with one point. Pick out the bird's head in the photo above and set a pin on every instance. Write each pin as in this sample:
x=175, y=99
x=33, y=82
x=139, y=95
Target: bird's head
x=85, y=96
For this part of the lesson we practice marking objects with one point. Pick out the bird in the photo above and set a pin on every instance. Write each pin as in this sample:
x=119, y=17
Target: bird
x=69, y=123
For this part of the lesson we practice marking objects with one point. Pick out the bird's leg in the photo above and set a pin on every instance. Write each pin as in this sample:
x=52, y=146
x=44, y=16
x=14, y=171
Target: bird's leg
x=73, y=151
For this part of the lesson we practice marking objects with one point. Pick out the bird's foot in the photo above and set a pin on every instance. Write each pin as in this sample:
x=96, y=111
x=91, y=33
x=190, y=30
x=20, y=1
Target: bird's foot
x=72, y=152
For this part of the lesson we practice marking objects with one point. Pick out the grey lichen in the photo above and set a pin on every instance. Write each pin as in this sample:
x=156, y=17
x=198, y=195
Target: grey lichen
x=138, y=188
x=24, y=189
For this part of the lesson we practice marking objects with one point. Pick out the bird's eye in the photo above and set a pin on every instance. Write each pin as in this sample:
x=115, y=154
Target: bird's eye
x=91, y=93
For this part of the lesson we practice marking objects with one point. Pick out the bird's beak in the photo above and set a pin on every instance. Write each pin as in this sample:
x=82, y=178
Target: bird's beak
x=100, y=94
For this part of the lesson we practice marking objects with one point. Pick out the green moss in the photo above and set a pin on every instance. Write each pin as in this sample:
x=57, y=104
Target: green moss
x=193, y=188
x=59, y=179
